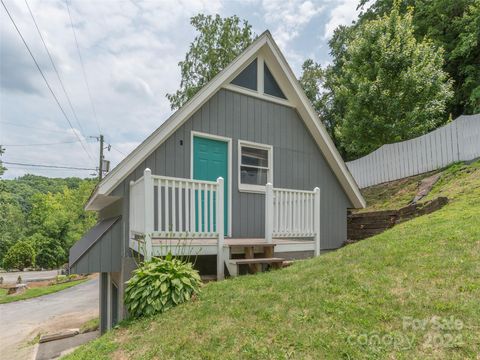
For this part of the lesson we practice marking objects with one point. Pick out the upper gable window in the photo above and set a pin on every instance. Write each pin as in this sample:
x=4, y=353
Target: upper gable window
x=248, y=77
x=270, y=84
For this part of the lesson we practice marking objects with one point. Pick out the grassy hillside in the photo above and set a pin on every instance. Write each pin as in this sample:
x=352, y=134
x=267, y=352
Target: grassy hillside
x=399, y=193
x=357, y=302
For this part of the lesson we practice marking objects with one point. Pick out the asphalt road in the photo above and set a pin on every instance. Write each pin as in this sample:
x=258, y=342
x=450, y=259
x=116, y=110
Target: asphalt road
x=21, y=321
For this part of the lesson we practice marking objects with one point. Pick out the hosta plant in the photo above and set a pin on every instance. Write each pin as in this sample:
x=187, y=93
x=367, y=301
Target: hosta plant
x=160, y=284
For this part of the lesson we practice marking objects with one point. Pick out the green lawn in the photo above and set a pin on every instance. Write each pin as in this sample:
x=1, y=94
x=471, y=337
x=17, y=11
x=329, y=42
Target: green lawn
x=384, y=297
x=35, y=292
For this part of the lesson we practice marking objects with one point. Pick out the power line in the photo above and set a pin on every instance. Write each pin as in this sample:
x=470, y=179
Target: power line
x=121, y=152
x=33, y=127
x=48, y=166
x=83, y=69
x=56, y=71
x=44, y=144
x=45, y=79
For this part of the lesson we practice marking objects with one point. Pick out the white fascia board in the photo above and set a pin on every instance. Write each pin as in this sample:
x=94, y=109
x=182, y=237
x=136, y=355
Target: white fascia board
x=308, y=114
x=121, y=171
x=319, y=132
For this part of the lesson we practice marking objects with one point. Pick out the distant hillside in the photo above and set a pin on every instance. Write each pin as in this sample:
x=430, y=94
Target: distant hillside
x=46, y=213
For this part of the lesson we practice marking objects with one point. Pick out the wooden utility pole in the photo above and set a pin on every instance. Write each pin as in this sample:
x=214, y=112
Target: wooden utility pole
x=100, y=165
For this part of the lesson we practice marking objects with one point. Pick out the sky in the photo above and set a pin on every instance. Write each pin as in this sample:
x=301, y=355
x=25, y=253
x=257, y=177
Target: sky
x=125, y=62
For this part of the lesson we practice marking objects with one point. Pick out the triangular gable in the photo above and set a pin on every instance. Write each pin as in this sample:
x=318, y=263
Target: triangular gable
x=264, y=48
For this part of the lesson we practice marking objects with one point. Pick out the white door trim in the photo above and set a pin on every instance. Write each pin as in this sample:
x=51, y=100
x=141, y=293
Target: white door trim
x=229, y=157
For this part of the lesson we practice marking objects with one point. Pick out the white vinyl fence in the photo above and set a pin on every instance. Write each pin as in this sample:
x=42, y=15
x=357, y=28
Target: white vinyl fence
x=456, y=141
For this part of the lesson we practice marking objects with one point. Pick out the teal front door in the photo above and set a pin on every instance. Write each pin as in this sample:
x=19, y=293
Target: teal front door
x=210, y=161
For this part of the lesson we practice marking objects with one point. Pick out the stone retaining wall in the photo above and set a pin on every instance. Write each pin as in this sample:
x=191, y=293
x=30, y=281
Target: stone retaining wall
x=364, y=225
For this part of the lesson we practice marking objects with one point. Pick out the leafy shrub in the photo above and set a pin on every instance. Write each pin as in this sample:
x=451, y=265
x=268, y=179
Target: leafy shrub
x=61, y=278
x=19, y=256
x=159, y=285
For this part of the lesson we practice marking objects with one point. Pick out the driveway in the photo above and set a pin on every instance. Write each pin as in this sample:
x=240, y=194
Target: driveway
x=21, y=321
x=11, y=277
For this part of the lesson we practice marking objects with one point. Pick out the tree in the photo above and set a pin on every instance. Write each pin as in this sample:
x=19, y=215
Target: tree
x=392, y=86
x=454, y=26
x=2, y=168
x=61, y=216
x=312, y=81
x=318, y=84
x=220, y=40
x=49, y=252
x=12, y=222
x=19, y=256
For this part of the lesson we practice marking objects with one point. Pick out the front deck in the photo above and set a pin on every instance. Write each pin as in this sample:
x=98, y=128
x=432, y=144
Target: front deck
x=161, y=246
x=185, y=217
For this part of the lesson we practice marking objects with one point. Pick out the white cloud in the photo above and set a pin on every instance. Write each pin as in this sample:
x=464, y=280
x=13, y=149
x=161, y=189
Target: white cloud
x=343, y=13
x=288, y=17
x=131, y=51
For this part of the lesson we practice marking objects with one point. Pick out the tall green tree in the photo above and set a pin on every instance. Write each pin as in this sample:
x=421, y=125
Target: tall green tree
x=218, y=42
x=60, y=216
x=392, y=86
x=12, y=222
x=453, y=25
x=2, y=168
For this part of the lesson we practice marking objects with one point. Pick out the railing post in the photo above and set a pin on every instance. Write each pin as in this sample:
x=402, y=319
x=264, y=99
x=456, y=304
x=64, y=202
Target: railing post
x=220, y=229
x=316, y=220
x=268, y=212
x=131, y=213
x=148, y=226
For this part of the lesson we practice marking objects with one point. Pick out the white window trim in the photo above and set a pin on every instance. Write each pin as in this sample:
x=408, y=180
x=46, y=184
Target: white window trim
x=249, y=187
x=228, y=140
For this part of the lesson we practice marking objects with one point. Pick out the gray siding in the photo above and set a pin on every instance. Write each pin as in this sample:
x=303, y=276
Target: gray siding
x=104, y=255
x=297, y=161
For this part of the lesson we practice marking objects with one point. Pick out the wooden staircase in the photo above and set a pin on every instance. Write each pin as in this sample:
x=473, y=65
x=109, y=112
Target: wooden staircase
x=255, y=264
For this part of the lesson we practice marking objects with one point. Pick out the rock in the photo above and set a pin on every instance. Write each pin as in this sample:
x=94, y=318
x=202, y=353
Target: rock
x=17, y=289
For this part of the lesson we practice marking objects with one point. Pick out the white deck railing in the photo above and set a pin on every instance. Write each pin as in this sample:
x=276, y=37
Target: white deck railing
x=292, y=214
x=169, y=207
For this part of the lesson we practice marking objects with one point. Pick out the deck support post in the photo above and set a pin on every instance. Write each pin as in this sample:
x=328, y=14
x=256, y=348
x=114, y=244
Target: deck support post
x=316, y=220
x=220, y=229
x=269, y=212
x=149, y=213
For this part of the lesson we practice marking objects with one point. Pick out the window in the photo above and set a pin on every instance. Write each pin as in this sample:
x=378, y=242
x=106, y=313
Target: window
x=255, y=162
x=270, y=84
x=248, y=77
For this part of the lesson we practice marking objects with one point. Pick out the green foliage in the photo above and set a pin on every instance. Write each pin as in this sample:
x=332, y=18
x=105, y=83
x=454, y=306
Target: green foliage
x=48, y=213
x=312, y=81
x=392, y=86
x=19, y=256
x=51, y=253
x=454, y=26
x=12, y=222
x=219, y=41
x=159, y=285
x=2, y=168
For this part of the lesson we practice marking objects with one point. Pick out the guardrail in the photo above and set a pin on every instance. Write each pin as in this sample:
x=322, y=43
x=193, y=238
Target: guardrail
x=162, y=206
x=292, y=214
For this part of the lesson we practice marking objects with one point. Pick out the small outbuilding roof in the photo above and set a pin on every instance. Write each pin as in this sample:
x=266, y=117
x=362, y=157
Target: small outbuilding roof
x=82, y=246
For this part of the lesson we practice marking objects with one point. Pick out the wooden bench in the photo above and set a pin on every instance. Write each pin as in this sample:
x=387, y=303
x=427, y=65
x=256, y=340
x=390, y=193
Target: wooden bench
x=249, y=248
x=255, y=264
